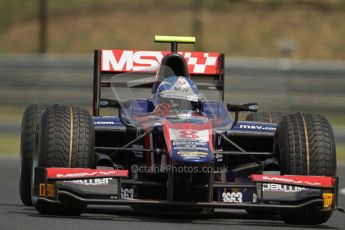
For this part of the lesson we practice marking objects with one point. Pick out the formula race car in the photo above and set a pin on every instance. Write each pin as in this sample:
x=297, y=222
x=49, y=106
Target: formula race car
x=161, y=138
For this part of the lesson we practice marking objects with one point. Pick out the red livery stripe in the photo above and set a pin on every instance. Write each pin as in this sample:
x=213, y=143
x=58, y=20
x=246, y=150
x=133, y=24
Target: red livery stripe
x=148, y=61
x=73, y=173
x=311, y=181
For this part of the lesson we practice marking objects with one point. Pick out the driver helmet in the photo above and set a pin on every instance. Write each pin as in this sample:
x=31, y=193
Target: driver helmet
x=178, y=91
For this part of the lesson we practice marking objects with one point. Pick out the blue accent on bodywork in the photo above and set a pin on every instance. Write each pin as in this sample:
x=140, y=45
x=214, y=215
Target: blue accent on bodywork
x=255, y=126
x=254, y=129
x=108, y=122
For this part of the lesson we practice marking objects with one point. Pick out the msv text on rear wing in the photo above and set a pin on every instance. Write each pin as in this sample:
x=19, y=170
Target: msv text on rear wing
x=206, y=69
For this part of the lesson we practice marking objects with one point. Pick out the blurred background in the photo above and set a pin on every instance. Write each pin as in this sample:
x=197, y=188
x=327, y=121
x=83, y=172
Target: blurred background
x=287, y=55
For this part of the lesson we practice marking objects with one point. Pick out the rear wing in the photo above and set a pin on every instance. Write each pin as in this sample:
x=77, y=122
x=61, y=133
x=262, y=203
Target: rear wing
x=206, y=69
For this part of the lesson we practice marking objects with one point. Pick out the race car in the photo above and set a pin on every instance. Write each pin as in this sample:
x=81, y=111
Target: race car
x=161, y=138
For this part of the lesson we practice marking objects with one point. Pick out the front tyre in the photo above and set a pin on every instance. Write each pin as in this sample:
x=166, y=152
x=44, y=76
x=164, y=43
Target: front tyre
x=67, y=141
x=306, y=146
x=28, y=146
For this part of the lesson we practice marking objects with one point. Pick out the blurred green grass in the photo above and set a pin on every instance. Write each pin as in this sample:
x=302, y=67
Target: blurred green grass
x=239, y=28
x=341, y=152
x=9, y=144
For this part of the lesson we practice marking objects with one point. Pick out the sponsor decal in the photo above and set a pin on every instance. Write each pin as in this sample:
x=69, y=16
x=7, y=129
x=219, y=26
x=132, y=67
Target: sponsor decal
x=199, y=135
x=180, y=90
x=191, y=149
x=184, y=115
x=257, y=127
x=138, y=153
x=127, y=193
x=92, y=182
x=187, y=134
x=133, y=60
x=129, y=60
x=269, y=187
x=327, y=199
x=186, y=95
x=85, y=174
x=197, y=147
x=233, y=197
x=288, y=180
x=181, y=85
x=253, y=107
x=307, y=181
x=61, y=173
x=104, y=123
x=192, y=154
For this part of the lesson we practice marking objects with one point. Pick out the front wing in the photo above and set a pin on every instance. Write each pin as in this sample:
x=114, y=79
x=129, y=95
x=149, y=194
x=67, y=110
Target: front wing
x=104, y=187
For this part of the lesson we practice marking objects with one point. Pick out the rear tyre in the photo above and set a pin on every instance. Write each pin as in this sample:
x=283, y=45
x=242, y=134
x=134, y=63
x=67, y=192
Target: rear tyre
x=271, y=117
x=28, y=143
x=66, y=140
x=306, y=146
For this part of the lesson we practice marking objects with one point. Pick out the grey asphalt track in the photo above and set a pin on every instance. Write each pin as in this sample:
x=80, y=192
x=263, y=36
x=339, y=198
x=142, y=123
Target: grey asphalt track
x=13, y=215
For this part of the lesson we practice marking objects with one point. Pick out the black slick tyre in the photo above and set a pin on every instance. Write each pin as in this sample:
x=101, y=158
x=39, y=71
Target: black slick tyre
x=66, y=140
x=306, y=146
x=28, y=145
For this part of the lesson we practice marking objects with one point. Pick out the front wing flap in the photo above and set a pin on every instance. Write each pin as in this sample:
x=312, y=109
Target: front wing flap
x=295, y=189
x=103, y=187
x=96, y=183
